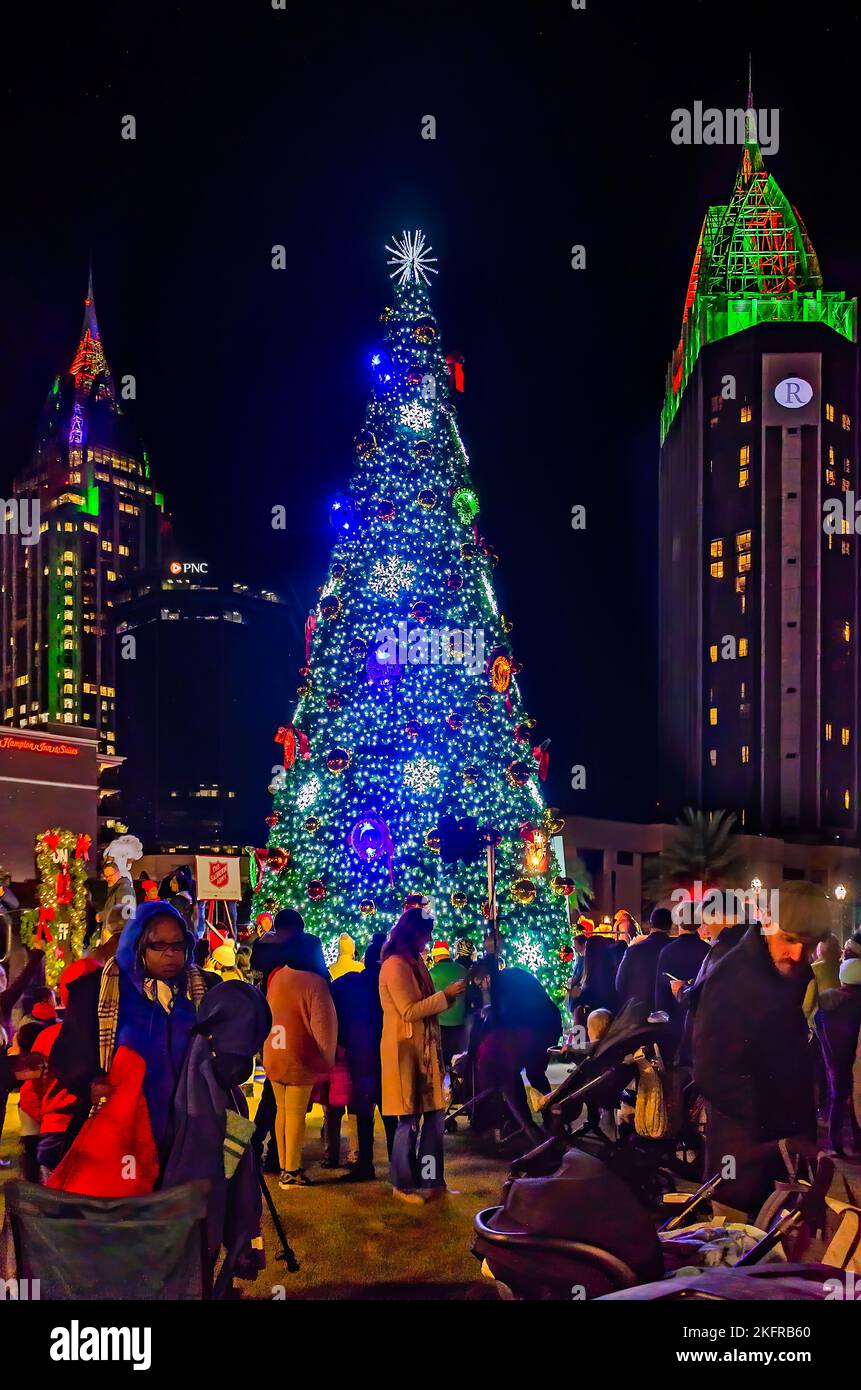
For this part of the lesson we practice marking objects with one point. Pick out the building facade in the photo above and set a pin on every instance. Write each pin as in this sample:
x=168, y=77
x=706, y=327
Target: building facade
x=200, y=706
x=759, y=637
x=99, y=520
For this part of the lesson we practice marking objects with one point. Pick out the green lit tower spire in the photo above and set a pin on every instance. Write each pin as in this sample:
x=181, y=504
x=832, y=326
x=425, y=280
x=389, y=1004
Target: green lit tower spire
x=754, y=263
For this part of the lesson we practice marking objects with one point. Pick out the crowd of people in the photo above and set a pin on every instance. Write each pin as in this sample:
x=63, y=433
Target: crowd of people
x=140, y=1077
x=763, y=1017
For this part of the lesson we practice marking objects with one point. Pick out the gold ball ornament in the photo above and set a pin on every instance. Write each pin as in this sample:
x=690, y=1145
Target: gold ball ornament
x=338, y=760
x=562, y=887
x=331, y=607
x=523, y=891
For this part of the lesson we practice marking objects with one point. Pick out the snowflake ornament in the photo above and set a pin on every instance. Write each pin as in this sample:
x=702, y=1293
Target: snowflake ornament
x=410, y=259
x=421, y=775
x=415, y=417
x=389, y=576
x=308, y=794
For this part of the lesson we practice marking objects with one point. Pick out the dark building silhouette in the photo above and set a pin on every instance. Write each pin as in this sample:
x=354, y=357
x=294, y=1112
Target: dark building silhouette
x=206, y=670
x=759, y=637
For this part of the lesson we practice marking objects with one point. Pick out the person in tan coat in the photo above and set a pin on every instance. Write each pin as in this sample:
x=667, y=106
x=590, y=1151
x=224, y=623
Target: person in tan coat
x=411, y=1057
x=300, y=1049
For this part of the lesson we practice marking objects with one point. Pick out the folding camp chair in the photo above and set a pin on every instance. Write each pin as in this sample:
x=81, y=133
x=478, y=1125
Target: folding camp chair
x=151, y=1247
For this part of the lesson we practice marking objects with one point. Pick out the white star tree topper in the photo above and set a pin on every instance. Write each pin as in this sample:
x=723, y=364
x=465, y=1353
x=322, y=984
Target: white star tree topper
x=411, y=259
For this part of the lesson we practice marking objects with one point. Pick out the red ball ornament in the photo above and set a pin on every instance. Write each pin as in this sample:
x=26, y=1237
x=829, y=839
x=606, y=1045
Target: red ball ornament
x=421, y=611
x=338, y=760
x=517, y=774
x=334, y=700
x=564, y=887
x=278, y=859
x=304, y=670
x=339, y=570
x=454, y=580
x=316, y=890
x=386, y=510
x=273, y=820
x=455, y=721
x=412, y=728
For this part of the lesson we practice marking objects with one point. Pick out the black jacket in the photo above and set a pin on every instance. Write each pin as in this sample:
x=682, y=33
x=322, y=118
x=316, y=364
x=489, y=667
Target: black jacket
x=752, y=1062
x=636, y=975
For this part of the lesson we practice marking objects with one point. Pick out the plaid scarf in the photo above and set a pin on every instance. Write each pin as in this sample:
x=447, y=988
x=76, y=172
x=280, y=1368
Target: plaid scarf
x=109, y=1006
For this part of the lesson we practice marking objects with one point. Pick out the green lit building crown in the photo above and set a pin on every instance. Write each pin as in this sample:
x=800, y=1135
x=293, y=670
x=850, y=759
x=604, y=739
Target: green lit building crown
x=754, y=263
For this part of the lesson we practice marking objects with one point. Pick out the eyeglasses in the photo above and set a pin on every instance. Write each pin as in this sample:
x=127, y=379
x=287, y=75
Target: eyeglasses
x=161, y=948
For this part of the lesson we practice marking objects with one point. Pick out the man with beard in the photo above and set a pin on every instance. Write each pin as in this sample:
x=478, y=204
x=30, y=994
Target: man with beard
x=752, y=1058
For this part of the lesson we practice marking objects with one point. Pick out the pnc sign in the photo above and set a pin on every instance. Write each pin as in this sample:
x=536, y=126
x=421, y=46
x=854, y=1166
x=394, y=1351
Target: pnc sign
x=188, y=567
x=793, y=392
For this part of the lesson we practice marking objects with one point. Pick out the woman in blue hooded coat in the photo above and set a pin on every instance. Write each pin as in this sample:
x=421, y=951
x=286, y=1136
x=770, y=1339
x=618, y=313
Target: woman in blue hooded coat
x=145, y=999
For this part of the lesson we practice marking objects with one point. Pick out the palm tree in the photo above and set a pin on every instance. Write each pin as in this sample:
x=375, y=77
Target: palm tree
x=703, y=849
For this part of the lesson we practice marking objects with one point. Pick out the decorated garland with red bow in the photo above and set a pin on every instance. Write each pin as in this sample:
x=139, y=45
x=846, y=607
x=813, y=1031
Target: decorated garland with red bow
x=58, y=924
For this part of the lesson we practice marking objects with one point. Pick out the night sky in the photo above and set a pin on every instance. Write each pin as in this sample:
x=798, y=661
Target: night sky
x=257, y=127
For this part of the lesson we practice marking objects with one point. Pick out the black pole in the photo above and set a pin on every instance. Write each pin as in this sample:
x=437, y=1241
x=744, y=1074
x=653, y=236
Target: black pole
x=286, y=1253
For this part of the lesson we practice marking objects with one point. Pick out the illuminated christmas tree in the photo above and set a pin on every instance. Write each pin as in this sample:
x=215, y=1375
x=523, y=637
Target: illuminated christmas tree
x=410, y=745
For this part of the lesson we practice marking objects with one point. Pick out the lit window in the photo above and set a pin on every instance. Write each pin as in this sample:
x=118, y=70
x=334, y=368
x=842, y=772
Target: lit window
x=713, y=757
x=844, y=737
x=713, y=715
x=744, y=477
x=713, y=653
x=716, y=549
x=847, y=424
x=742, y=541
x=744, y=456
x=716, y=569
x=740, y=583
x=829, y=413
x=847, y=799
x=745, y=753
x=847, y=632
x=828, y=732
x=742, y=646
x=744, y=563
x=745, y=414
x=830, y=477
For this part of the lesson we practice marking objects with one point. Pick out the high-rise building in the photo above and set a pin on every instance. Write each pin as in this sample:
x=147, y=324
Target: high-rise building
x=99, y=520
x=199, y=707
x=759, y=635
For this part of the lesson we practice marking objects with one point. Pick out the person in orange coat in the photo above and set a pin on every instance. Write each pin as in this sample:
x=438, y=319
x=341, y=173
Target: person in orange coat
x=300, y=1050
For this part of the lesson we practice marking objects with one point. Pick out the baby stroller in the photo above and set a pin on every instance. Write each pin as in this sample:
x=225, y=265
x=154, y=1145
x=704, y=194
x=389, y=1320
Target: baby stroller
x=606, y=1081
x=579, y=1232
x=498, y=1118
